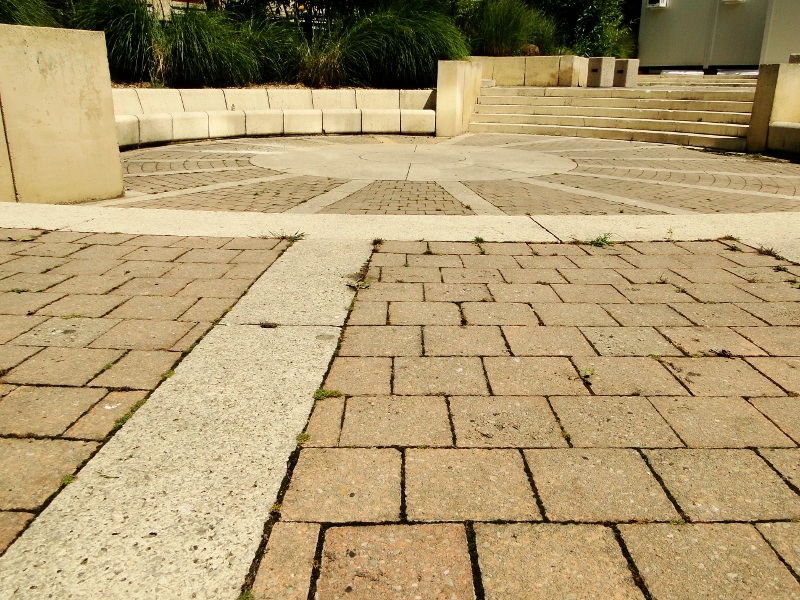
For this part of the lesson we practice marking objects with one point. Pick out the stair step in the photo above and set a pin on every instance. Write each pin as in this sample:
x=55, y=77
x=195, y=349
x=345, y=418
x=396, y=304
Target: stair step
x=634, y=112
x=719, y=142
x=648, y=103
x=744, y=95
x=691, y=127
x=488, y=83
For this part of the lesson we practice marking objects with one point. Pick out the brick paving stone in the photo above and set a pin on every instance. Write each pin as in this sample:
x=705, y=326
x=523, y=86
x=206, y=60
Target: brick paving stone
x=653, y=293
x=381, y=341
x=522, y=292
x=464, y=341
x=454, y=247
x=645, y=315
x=557, y=249
x=216, y=288
x=152, y=286
x=656, y=261
x=629, y=341
x=138, y=370
x=753, y=259
x=457, y=292
x=285, y=570
x=712, y=247
x=396, y=562
x=774, y=313
x=25, y=303
x=783, y=539
x=198, y=270
x=573, y=314
x=44, y=411
x=758, y=274
x=592, y=277
x=75, y=332
x=592, y=263
x=717, y=315
x=62, y=366
x=13, y=325
x=160, y=254
x=103, y=253
x=90, y=284
x=141, y=268
x=707, y=262
x=396, y=421
x=507, y=248
x=499, y=313
x=6, y=389
x=472, y=275
x=547, y=341
x=540, y=276
x=190, y=339
x=207, y=255
x=325, y=424
x=83, y=305
x=659, y=248
x=338, y=485
x=31, y=470
x=533, y=376
x=786, y=461
x=439, y=375
x=207, y=309
x=719, y=423
x=783, y=371
x=360, y=376
x=251, y=271
x=393, y=292
x=784, y=412
x=489, y=262
x=403, y=247
x=707, y=275
x=411, y=275
x=89, y=267
x=428, y=261
x=11, y=356
x=613, y=422
x=597, y=485
x=468, y=484
x=11, y=524
x=99, y=421
x=55, y=249
x=382, y=259
x=32, y=264
x=424, y=313
x=545, y=262
x=724, y=485
x=711, y=341
x=201, y=242
x=30, y=282
x=718, y=292
x=596, y=294
x=628, y=376
x=721, y=377
x=141, y=334
x=504, y=421
x=656, y=277
x=707, y=561
x=369, y=313
x=524, y=561
x=771, y=292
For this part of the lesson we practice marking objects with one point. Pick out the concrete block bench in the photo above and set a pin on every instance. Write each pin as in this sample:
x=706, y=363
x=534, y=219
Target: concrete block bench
x=784, y=137
x=154, y=115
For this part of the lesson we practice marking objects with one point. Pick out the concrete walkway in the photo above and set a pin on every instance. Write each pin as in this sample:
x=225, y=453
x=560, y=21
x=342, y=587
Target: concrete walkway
x=530, y=418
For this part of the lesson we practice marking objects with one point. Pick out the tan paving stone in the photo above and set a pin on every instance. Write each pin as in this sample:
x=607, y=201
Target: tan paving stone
x=252, y=243
x=55, y=249
x=360, y=376
x=547, y=341
x=545, y=262
x=592, y=276
x=754, y=259
x=192, y=337
x=11, y=524
x=721, y=377
x=596, y=485
x=784, y=412
x=396, y=421
x=207, y=309
x=395, y=562
x=654, y=293
x=472, y=261
x=99, y=421
x=141, y=268
x=83, y=305
x=60, y=237
x=11, y=356
x=285, y=570
x=369, y=313
x=628, y=376
x=6, y=389
x=90, y=284
x=499, y=313
x=468, y=484
x=325, y=424
x=454, y=248
x=557, y=249
x=102, y=253
x=12, y=326
x=44, y=410
x=381, y=259
x=424, y=313
x=74, y=332
x=613, y=422
x=507, y=248
x=707, y=262
x=339, y=485
x=645, y=315
x=410, y=275
x=711, y=341
x=139, y=370
x=718, y=292
x=707, y=561
x=392, y=292
x=660, y=248
x=457, y=292
x=783, y=539
x=786, y=461
x=724, y=485
x=88, y=267
x=31, y=282
x=403, y=247
x=152, y=286
x=62, y=366
x=696, y=275
x=216, y=288
x=522, y=561
x=381, y=341
x=596, y=294
x=464, y=341
x=522, y=292
x=719, y=423
x=758, y=274
x=31, y=470
x=540, y=276
x=771, y=292
x=783, y=371
x=712, y=247
x=573, y=314
x=161, y=254
x=32, y=264
x=202, y=242
x=439, y=375
x=774, y=313
x=504, y=421
x=264, y=258
x=428, y=260
x=141, y=334
x=472, y=275
x=653, y=261
x=533, y=376
x=717, y=315
x=198, y=270
x=655, y=277
x=629, y=341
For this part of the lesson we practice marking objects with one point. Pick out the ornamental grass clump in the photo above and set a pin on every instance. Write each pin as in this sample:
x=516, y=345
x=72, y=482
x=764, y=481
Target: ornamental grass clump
x=504, y=27
x=27, y=12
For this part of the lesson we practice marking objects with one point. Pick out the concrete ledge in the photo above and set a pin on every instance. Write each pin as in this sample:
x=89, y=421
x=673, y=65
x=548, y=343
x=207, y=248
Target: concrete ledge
x=263, y=122
x=159, y=101
x=155, y=128
x=290, y=98
x=784, y=137
x=417, y=99
x=325, y=99
x=509, y=70
x=255, y=99
x=189, y=126
x=226, y=123
x=302, y=121
x=341, y=120
x=542, y=71
x=203, y=100
x=418, y=121
x=127, y=130
x=126, y=101
x=378, y=99
x=380, y=120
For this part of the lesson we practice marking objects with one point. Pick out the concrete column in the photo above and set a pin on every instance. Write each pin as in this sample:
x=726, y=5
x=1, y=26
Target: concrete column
x=777, y=91
x=626, y=72
x=601, y=71
x=6, y=179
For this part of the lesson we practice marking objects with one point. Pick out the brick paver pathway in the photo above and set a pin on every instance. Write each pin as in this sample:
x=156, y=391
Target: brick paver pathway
x=90, y=324
x=517, y=421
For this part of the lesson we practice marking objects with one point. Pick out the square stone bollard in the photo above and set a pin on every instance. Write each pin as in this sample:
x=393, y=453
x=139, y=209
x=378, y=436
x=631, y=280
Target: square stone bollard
x=626, y=72
x=794, y=59
x=601, y=71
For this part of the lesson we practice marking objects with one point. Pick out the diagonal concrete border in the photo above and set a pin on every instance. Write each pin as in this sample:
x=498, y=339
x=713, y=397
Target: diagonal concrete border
x=324, y=200
x=469, y=198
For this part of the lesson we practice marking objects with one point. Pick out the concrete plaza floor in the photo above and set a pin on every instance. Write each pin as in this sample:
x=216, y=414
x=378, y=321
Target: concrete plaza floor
x=386, y=367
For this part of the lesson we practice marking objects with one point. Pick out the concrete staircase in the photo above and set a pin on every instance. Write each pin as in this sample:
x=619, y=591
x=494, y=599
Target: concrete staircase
x=688, y=112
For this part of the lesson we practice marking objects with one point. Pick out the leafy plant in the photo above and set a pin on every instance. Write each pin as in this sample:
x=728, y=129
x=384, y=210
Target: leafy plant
x=278, y=48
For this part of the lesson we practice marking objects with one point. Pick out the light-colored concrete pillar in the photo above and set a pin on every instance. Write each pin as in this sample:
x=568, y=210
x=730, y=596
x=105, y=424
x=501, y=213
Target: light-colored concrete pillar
x=573, y=71
x=450, y=97
x=601, y=71
x=61, y=136
x=626, y=72
x=777, y=91
x=6, y=179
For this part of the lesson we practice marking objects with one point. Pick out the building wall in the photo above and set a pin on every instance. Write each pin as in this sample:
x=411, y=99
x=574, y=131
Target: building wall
x=782, y=32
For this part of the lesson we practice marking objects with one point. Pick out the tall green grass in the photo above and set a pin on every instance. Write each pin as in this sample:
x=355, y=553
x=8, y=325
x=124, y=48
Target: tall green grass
x=278, y=47
x=503, y=27
x=27, y=12
x=592, y=27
